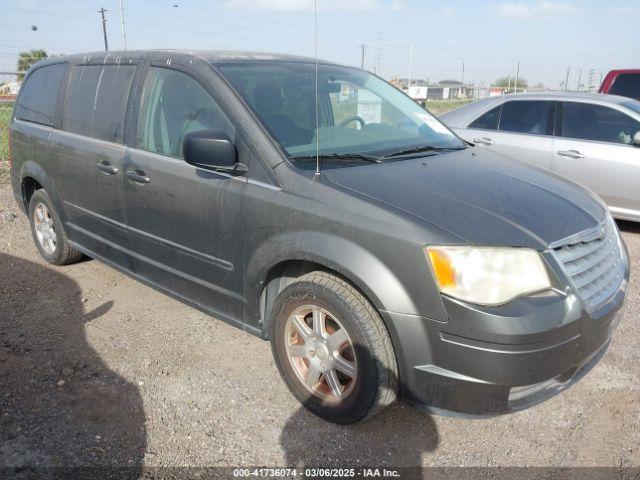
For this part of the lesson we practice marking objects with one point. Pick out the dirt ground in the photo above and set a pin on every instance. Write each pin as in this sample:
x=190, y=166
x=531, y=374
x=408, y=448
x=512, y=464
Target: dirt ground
x=97, y=369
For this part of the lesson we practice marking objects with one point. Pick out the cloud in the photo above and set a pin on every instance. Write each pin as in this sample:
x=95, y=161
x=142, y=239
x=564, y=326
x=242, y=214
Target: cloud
x=307, y=5
x=628, y=10
x=397, y=5
x=514, y=11
x=446, y=11
x=555, y=8
x=543, y=9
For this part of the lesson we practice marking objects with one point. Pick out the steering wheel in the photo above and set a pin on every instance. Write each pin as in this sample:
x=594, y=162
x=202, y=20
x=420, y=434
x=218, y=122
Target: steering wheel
x=354, y=118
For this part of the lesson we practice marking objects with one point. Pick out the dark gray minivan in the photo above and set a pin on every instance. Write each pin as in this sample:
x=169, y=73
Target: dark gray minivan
x=329, y=213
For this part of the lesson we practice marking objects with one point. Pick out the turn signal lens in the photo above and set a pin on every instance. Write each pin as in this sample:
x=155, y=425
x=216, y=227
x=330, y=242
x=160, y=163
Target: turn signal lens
x=442, y=268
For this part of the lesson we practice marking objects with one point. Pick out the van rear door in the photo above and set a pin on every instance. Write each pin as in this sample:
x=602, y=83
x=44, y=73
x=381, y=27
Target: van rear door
x=88, y=156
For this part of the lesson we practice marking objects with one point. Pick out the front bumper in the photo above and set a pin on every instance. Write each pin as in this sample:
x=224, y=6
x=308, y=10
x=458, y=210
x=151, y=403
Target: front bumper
x=494, y=360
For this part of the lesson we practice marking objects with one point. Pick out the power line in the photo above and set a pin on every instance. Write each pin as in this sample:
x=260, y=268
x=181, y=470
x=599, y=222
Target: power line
x=31, y=12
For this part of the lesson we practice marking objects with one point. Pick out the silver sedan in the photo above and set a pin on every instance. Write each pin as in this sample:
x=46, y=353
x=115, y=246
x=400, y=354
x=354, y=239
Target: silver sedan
x=592, y=139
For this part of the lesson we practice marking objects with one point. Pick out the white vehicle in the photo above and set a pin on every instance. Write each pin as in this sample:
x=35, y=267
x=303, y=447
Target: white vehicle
x=593, y=139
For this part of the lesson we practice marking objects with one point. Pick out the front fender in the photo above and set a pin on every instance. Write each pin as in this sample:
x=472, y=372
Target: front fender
x=357, y=264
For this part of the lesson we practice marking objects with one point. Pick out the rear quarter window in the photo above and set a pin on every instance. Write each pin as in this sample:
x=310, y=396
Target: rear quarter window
x=97, y=101
x=39, y=95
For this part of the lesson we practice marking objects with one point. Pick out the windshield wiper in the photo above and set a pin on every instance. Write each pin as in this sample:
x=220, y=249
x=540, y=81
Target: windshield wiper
x=422, y=148
x=341, y=156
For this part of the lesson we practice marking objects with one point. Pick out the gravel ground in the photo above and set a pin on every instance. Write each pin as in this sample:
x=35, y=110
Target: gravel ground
x=97, y=369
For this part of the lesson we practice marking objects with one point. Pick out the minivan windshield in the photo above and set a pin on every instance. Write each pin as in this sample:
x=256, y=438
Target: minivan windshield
x=361, y=118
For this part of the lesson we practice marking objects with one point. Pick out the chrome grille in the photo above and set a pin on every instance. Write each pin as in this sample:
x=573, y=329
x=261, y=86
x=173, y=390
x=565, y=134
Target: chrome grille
x=595, y=267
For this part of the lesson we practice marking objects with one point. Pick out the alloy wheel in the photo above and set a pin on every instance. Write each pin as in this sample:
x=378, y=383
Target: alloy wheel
x=321, y=352
x=45, y=229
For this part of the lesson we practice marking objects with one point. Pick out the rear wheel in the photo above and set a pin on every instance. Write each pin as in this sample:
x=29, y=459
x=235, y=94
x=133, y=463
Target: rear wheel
x=332, y=349
x=48, y=234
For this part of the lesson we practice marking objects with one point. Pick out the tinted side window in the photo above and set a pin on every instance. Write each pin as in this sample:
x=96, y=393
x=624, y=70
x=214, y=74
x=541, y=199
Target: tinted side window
x=97, y=101
x=174, y=104
x=530, y=116
x=488, y=121
x=627, y=85
x=596, y=122
x=39, y=95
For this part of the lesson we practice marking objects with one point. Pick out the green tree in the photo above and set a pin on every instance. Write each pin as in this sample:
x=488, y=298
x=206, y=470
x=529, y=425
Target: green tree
x=29, y=58
x=503, y=82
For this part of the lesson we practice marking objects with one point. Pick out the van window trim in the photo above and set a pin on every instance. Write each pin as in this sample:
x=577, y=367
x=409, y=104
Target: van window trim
x=207, y=85
x=62, y=90
x=133, y=63
x=191, y=74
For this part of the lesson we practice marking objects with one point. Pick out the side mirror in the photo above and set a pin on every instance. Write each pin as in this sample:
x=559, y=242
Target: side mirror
x=212, y=150
x=636, y=139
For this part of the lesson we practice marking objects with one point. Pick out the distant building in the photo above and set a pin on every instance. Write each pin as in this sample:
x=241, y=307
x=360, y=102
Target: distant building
x=421, y=90
x=402, y=83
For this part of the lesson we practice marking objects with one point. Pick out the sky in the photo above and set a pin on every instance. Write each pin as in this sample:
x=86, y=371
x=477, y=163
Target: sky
x=488, y=37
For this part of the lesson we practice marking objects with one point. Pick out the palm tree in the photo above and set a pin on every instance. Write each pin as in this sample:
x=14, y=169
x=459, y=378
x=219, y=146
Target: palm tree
x=27, y=59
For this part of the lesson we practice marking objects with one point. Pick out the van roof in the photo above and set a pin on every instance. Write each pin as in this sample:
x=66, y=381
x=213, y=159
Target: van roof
x=211, y=56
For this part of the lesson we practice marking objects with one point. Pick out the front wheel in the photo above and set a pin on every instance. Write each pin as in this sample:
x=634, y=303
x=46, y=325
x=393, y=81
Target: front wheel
x=332, y=349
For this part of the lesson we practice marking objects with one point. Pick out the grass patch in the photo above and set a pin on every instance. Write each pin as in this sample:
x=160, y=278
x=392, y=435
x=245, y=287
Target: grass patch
x=5, y=116
x=438, y=107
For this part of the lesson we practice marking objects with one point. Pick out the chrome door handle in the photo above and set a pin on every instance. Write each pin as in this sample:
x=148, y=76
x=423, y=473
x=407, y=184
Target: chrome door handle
x=570, y=154
x=107, y=168
x=138, y=176
x=483, y=141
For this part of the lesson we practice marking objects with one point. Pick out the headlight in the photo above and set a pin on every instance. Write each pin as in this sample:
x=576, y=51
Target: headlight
x=488, y=275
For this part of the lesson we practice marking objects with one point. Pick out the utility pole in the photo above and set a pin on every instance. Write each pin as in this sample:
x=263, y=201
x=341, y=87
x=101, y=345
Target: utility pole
x=410, y=64
x=378, y=41
x=579, y=79
x=124, y=34
x=515, y=89
x=104, y=28
x=462, y=81
x=364, y=52
x=566, y=80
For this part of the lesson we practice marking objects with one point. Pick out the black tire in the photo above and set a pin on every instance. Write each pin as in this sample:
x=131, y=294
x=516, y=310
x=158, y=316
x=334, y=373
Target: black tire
x=376, y=383
x=64, y=254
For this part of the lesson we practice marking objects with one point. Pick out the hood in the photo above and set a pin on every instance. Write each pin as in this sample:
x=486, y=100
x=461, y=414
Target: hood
x=479, y=196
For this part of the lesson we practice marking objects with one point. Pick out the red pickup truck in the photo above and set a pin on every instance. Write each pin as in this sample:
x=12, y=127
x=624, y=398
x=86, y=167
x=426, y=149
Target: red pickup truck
x=622, y=82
